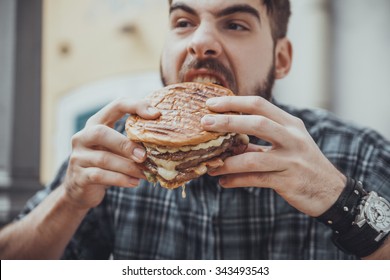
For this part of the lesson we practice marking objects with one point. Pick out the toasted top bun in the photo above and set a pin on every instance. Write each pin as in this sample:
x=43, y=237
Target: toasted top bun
x=182, y=106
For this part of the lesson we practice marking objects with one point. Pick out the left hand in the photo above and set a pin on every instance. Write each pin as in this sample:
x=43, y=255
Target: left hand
x=293, y=166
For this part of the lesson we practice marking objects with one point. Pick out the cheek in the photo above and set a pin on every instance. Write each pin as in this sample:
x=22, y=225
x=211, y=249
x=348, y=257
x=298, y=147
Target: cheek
x=167, y=65
x=253, y=65
x=171, y=61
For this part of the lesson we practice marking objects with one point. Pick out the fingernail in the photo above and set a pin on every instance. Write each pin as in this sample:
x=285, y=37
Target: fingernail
x=208, y=120
x=211, y=102
x=211, y=171
x=139, y=153
x=152, y=110
x=222, y=181
x=133, y=182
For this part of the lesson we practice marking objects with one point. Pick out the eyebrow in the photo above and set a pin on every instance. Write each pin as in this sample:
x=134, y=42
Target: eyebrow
x=181, y=6
x=243, y=8
x=239, y=8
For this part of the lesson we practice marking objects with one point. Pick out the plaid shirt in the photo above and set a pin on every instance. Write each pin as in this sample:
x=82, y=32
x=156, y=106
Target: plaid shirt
x=216, y=223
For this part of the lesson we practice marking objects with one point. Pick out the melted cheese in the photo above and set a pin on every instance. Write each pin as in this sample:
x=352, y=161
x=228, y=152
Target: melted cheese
x=183, y=191
x=169, y=164
x=212, y=143
x=167, y=174
x=201, y=169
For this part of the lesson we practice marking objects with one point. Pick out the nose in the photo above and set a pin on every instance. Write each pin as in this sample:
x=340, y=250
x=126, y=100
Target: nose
x=204, y=43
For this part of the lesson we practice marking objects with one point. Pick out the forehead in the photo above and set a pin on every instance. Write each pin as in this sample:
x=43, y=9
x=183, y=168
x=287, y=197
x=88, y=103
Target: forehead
x=216, y=5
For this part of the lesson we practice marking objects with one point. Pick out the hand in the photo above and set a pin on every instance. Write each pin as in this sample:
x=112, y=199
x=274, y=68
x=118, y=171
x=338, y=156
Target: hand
x=103, y=157
x=293, y=166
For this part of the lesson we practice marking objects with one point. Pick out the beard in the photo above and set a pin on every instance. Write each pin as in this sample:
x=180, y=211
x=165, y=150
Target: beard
x=263, y=89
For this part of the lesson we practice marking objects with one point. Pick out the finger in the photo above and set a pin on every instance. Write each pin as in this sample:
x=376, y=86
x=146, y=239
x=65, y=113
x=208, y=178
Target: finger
x=257, y=179
x=252, y=105
x=250, y=162
x=98, y=176
x=257, y=148
x=255, y=125
x=109, y=139
x=109, y=161
x=239, y=149
x=119, y=107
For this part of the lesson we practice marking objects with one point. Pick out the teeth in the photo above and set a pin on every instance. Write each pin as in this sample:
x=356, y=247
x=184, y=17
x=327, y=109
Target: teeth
x=206, y=79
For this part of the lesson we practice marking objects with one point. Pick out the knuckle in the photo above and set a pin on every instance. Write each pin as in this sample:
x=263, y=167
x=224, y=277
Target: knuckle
x=99, y=131
x=251, y=162
x=74, y=159
x=295, y=163
x=296, y=143
x=228, y=120
x=259, y=122
x=118, y=101
x=93, y=120
x=76, y=138
x=224, y=120
x=90, y=121
x=298, y=122
x=299, y=140
x=257, y=102
x=94, y=176
x=125, y=146
x=101, y=160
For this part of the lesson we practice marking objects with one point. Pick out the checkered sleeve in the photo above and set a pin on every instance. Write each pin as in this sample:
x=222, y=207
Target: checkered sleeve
x=42, y=194
x=358, y=152
x=93, y=239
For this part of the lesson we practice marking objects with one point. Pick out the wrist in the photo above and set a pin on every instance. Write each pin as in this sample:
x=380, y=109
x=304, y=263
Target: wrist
x=334, y=189
x=71, y=202
x=340, y=216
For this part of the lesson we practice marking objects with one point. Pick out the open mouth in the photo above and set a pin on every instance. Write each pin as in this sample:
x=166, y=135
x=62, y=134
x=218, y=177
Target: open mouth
x=205, y=76
x=207, y=79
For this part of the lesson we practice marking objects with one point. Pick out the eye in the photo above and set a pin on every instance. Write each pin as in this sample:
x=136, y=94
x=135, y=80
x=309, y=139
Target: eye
x=183, y=23
x=236, y=26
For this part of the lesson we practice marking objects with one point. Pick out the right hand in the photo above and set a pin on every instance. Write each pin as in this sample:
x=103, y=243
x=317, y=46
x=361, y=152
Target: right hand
x=103, y=157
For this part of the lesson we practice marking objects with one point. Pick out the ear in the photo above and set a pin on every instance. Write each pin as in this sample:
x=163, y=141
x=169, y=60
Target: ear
x=283, y=58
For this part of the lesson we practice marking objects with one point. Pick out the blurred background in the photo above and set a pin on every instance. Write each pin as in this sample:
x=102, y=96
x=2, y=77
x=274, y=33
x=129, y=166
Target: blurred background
x=61, y=60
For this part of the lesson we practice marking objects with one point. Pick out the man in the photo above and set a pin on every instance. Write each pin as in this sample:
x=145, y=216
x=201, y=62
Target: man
x=284, y=200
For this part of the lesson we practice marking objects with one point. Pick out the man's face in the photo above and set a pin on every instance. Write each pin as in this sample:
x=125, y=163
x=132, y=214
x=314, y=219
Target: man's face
x=223, y=42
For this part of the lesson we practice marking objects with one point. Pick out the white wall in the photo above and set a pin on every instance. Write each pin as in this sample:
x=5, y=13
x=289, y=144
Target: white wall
x=341, y=60
x=362, y=62
x=307, y=84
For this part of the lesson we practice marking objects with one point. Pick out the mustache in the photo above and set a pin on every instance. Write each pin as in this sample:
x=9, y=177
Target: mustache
x=211, y=64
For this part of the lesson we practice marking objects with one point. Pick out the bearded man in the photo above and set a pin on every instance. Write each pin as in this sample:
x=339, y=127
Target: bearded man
x=299, y=191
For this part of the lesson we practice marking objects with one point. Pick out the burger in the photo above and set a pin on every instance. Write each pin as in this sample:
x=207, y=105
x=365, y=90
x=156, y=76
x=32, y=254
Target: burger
x=178, y=149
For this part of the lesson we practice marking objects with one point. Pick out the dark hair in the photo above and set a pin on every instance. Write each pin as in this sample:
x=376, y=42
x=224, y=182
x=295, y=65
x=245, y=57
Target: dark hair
x=279, y=13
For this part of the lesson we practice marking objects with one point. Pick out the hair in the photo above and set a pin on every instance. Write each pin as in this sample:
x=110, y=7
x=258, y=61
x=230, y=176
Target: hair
x=279, y=12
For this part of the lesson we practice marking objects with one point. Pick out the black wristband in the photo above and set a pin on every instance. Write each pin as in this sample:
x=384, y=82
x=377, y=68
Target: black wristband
x=358, y=241
x=340, y=216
